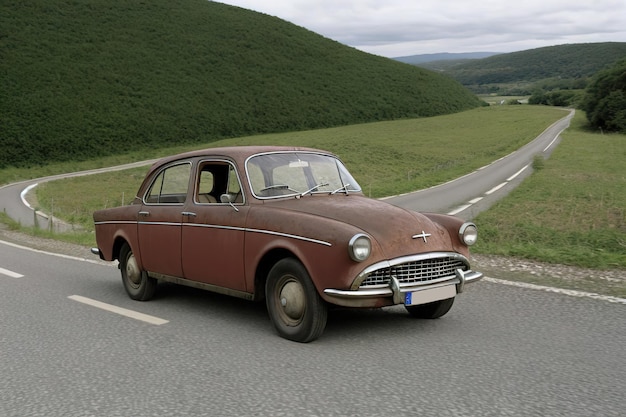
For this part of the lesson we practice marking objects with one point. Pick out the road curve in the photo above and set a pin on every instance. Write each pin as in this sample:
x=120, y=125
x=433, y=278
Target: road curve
x=13, y=196
x=464, y=197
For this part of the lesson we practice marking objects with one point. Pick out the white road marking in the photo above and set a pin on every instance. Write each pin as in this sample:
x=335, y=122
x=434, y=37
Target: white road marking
x=10, y=273
x=24, y=192
x=553, y=140
x=476, y=200
x=119, y=310
x=496, y=188
x=60, y=255
x=512, y=177
x=572, y=293
x=458, y=209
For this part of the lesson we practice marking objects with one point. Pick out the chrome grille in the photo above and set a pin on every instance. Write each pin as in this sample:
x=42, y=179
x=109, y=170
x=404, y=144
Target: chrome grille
x=420, y=271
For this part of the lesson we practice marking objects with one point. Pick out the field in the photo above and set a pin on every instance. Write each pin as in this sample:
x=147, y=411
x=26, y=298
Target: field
x=570, y=211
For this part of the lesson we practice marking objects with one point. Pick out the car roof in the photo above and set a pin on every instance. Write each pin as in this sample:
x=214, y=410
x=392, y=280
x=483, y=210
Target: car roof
x=238, y=153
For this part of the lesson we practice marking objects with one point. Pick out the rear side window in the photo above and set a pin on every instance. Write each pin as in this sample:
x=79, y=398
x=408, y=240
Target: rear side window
x=170, y=185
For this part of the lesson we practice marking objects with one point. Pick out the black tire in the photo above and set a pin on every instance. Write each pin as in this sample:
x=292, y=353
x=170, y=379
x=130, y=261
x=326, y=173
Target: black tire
x=294, y=306
x=138, y=285
x=431, y=310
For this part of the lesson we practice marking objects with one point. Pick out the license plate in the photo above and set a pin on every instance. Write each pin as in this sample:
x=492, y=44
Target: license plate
x=429, y=295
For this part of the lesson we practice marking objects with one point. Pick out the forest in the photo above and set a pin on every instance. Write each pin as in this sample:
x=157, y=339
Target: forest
x=83, y=79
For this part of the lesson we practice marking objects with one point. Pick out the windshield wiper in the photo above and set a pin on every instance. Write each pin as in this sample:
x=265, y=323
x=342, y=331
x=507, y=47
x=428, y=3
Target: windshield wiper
x=344, y=189
x=324, y=184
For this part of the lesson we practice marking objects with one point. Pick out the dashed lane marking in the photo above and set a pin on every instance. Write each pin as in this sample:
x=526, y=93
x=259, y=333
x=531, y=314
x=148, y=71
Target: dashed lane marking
x=10, y=274
x=119, y=310
x=459, y=209
x=496, y=188
x=512, y=177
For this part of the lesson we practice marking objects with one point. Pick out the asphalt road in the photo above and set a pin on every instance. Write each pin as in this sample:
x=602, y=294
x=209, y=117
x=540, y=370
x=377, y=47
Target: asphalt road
x=465, y=197
x=501, y=351
x=73, y=344
x=13, y=197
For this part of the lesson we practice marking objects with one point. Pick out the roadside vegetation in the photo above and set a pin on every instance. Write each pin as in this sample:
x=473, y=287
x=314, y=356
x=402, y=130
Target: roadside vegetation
x=387, y=158
x=572, y=210
x=86, y=79
x=560, y=68
x=605, y=99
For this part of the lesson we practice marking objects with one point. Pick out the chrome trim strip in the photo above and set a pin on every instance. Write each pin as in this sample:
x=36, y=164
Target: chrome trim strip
x=267, y=232
x=306, y=239
x=116, y=222
x=215, y=226
x=160, y=223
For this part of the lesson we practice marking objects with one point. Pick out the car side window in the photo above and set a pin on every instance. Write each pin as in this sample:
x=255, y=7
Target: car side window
x=170, y=185
x=215, y=179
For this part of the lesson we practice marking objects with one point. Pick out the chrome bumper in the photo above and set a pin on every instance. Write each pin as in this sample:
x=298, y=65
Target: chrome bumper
x=97, y=252
x=396, y=290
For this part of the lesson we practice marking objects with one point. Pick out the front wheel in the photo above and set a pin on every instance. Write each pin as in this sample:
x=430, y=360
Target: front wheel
x=431, y=310
x=294, y=306
x=137, y=283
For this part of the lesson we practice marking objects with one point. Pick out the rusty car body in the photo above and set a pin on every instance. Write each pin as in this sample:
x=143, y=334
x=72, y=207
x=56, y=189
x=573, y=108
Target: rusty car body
x=287, y=225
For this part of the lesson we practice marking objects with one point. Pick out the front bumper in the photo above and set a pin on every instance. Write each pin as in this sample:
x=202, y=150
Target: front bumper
x=396, y=292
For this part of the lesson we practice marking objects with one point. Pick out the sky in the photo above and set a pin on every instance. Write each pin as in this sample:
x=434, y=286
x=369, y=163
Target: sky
x=395, y=28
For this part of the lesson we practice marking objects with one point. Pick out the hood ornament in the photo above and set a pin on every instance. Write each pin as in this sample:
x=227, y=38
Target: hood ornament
x=422, y=235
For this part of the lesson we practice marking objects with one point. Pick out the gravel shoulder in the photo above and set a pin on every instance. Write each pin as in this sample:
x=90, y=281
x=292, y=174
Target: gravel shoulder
x=605, y=282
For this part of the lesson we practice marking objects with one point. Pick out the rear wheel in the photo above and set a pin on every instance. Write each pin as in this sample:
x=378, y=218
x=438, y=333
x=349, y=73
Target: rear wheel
x=294, y=306
x=137, y=283
x=431, y=310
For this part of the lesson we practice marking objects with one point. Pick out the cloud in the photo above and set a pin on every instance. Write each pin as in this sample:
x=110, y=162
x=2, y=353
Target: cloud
x=398, y=27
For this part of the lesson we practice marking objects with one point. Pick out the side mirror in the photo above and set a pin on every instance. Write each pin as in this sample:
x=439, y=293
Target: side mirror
x=227, y=198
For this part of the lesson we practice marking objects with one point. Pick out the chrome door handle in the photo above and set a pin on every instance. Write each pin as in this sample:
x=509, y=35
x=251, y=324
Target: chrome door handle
x=144, y=213
x=188, y=213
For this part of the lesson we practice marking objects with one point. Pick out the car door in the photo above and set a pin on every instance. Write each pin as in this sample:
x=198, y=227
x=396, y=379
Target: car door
x=213, y=232
x=160, y=220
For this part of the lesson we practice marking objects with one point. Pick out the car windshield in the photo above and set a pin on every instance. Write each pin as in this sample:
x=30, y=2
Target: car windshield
x=298, y=173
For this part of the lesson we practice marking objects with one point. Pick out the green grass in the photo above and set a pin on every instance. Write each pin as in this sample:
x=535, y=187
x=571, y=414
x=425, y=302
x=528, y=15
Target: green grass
x=82, y=79
x=387, y=158
x=572, y=211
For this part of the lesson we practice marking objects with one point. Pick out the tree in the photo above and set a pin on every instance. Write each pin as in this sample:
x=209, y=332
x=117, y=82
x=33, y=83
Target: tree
x=605, y=100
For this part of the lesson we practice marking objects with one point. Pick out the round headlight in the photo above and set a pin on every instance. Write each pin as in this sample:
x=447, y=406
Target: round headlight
x=359, y=247
x=468, y=233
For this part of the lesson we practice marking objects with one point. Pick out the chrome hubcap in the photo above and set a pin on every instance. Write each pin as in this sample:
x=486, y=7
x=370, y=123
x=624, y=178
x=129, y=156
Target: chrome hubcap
x=292, y=302
x=132, y=270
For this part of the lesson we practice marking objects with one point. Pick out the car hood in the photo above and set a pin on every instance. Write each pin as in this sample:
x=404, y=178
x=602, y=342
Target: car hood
x=397, y=231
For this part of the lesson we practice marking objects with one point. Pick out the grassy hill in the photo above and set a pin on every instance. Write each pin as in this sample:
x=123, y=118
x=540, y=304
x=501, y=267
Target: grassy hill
x=89, y=78
x=568, y=66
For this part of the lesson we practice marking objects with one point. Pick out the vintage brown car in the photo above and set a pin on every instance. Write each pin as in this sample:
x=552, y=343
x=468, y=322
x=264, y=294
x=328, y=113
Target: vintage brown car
x=286, y=225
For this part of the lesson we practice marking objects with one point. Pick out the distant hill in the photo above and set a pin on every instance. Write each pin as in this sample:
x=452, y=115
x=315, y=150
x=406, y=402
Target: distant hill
x=87, y=78
x=562, y=62
x=444, y=56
